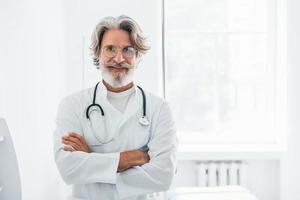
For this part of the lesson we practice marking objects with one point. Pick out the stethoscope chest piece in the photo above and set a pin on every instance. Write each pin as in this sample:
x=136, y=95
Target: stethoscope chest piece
x=144, y=121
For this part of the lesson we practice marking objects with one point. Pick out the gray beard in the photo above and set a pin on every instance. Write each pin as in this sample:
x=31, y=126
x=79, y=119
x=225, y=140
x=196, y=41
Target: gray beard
x=118, y=79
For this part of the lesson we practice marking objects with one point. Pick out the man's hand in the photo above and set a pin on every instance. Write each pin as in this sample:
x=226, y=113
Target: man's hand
x=75, y=142
x=132, y=158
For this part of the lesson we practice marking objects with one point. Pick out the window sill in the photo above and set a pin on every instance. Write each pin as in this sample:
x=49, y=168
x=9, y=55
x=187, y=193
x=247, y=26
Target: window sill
x=230, y=151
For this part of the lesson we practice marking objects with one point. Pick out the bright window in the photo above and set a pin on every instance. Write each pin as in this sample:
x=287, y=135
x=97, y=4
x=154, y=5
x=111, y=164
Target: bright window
x=225, y=70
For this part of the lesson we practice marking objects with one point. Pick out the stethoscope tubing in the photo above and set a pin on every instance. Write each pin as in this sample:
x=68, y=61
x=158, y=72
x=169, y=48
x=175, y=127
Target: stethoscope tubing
x=101, y=109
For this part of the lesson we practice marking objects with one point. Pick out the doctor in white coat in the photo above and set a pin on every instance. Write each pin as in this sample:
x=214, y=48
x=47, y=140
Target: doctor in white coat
x=123, y=146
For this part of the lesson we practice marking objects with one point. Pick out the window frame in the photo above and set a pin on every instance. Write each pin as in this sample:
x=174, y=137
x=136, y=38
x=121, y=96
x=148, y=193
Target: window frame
x=279, y=144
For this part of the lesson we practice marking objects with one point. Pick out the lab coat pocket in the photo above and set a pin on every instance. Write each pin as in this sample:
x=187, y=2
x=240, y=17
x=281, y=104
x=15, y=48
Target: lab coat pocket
x=141, y=136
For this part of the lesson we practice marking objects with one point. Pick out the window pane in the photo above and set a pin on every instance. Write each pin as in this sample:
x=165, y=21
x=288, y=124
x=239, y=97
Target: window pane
x=220, y=68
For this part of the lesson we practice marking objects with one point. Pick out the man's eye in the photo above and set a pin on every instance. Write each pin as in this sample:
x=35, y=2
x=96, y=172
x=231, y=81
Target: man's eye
x=128, y=50
x=111, y=48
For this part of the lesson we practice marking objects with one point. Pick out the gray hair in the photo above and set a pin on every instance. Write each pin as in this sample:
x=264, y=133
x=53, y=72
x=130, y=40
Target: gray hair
x=122, y=22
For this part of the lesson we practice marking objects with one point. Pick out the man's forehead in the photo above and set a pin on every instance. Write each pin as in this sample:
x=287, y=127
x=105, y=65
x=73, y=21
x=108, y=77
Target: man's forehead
x=116, y=37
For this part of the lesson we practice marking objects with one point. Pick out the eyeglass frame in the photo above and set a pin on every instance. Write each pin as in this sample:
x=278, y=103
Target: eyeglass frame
x=118, y=49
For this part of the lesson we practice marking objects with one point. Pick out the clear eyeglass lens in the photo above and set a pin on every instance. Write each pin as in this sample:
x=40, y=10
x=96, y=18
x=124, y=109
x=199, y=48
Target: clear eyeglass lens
x=112, y=51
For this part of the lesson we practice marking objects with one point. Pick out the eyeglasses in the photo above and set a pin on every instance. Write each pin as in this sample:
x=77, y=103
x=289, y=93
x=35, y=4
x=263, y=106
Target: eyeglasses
x=111, y=51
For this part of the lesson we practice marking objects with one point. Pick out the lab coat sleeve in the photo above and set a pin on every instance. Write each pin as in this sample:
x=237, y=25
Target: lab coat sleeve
x=79, y=167
x=157, y=175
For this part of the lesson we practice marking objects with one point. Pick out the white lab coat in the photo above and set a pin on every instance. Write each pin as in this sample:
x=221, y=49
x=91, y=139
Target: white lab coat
x=94, y=175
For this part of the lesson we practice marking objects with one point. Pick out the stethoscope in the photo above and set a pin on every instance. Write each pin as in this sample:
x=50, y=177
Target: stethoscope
x=143, y=119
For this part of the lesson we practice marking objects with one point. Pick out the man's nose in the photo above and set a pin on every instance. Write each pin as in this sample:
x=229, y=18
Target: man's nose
x=119, y=57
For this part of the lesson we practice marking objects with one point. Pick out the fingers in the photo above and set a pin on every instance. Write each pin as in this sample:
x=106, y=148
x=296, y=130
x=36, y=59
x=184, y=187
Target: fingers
x=77, y=142
x=69, y=148
x=72, y=139
x=77, y=136
x=73, y=144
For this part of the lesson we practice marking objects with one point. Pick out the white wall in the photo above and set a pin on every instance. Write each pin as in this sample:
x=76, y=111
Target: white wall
x=80, y=19
x=30, y=89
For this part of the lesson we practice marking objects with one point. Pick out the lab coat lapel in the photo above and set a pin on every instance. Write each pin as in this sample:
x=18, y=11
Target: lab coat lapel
x=112, y=117
x=132, y=107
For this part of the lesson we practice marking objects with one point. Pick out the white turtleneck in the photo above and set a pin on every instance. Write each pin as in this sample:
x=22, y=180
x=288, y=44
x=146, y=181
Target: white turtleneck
x=120, y=99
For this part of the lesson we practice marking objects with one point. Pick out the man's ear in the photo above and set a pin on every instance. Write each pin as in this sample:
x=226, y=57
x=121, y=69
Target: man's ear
x=96, y=62
x=99, y=63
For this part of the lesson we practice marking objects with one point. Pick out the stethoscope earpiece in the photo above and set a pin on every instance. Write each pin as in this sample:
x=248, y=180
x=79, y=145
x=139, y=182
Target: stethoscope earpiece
x=144, y=121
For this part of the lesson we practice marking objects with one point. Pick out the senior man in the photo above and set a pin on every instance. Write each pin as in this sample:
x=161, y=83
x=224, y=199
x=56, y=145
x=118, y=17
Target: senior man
x=115, y=140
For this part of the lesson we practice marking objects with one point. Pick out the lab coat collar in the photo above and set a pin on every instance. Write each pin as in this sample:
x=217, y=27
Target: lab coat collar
x=102, y=90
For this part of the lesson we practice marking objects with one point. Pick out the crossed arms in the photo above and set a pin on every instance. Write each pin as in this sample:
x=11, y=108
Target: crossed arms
x=128, y=159
x=133, y=172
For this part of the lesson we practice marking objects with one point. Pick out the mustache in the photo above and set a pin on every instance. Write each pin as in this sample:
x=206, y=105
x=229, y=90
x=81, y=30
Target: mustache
x=119, y=65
